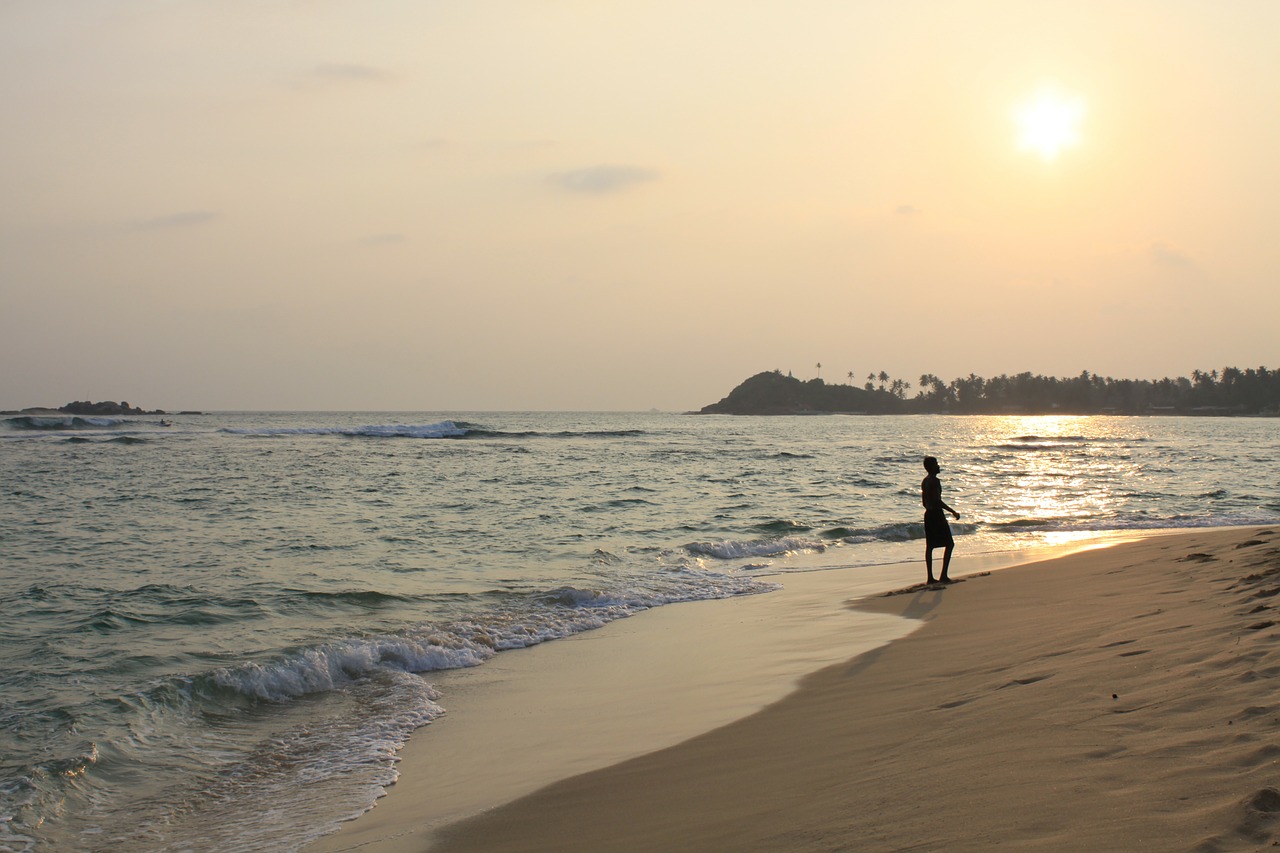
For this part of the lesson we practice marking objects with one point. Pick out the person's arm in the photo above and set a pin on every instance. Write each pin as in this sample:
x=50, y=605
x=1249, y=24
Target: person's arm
x=931, y=496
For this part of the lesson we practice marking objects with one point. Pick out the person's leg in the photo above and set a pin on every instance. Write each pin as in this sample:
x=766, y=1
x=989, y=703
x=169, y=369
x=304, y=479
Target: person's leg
x=928, y=564
x=946, y=562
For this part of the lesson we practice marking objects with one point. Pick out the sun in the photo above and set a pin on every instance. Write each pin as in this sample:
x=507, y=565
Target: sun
x=1049, y=122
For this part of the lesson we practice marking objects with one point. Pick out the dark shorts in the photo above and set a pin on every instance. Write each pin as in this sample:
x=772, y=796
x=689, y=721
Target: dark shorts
x=937, y=533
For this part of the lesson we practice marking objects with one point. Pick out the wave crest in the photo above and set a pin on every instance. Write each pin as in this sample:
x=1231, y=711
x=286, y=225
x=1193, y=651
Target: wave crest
x=60, y=422
x=736, y=550
x=443, y=429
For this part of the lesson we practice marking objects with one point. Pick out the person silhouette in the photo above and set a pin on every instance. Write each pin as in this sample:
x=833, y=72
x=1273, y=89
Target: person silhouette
x=937, y=533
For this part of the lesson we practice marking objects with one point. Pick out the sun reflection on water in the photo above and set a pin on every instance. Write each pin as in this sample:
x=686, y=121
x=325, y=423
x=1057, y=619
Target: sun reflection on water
x=1036, y=470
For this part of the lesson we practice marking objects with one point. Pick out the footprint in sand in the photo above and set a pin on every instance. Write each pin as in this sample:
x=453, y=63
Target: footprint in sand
x=1266, y=800
x=1257, y=813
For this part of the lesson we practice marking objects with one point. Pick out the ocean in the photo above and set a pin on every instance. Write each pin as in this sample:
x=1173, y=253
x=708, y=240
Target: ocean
x=217, y=634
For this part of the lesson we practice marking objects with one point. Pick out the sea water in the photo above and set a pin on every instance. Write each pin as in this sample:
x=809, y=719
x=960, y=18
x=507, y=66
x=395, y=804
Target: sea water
x=217, y=634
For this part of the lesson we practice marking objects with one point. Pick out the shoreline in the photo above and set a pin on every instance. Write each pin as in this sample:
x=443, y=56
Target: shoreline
x=534, y=717
x=1119, y=699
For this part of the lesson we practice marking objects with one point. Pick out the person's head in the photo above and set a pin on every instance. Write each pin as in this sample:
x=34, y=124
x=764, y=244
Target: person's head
x=931, y=465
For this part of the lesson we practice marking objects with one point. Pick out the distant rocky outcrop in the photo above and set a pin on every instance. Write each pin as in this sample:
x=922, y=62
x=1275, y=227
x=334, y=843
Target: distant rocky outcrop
x=106, y=408
x=772, y=393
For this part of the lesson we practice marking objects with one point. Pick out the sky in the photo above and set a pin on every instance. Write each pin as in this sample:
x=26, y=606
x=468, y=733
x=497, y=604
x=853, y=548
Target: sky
x=428, y=205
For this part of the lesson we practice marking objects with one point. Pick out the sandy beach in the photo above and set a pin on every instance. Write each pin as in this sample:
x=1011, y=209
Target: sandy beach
x=1112, y=699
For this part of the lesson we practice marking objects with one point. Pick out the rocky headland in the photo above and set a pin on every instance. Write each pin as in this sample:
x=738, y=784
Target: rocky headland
x=86, y=408
x=772, y=393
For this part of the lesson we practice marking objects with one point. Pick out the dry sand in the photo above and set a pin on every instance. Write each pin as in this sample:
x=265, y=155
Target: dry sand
x=1121, y=699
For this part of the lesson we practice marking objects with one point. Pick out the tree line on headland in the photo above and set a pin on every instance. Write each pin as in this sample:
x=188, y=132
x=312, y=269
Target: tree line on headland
x=1229, y=391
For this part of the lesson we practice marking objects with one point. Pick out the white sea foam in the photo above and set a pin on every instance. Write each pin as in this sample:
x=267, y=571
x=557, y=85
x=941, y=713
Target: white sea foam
x=328, y=667
x=738, y=550
x=334, y=768
x=61, y=422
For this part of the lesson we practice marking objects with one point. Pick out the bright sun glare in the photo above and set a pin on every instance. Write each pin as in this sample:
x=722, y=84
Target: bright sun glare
x=1049, y=122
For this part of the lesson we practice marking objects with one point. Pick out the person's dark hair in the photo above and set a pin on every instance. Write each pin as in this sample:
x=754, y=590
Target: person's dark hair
x=930, y=462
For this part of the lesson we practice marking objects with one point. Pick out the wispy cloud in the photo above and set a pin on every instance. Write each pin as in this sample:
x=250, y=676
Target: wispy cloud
x=907, y=210
x=347, y=71
x=600, y=180
x=382, y=239
x=1166, y=256
x=181, y=219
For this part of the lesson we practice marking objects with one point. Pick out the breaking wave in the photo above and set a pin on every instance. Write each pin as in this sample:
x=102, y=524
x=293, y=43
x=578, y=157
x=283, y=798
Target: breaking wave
x=443, y=429
x=60, y=422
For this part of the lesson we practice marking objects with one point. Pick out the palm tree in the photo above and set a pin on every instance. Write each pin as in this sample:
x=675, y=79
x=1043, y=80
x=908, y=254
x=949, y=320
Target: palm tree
x=929, y=384
x=850, y=377
x=819, y=370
